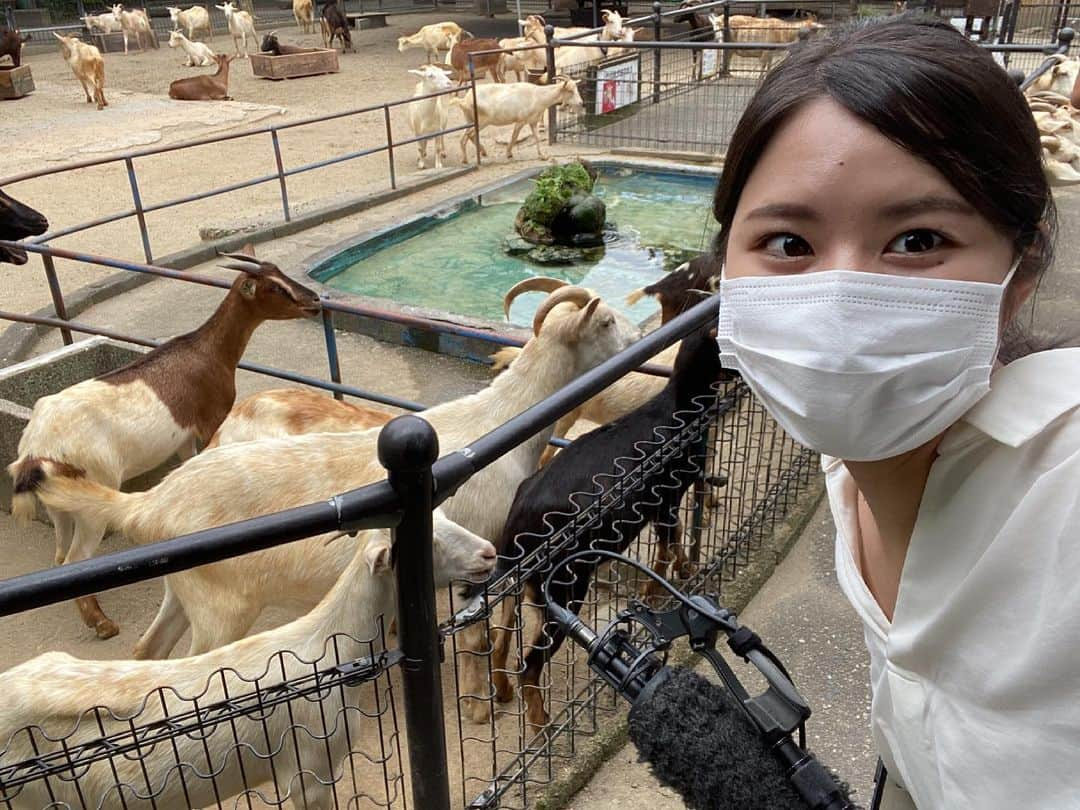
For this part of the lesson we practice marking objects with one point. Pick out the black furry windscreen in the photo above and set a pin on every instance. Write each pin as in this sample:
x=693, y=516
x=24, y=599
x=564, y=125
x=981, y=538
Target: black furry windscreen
x=698, y=742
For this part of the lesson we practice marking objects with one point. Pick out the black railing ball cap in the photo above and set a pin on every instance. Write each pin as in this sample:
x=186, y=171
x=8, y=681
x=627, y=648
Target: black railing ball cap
x=408, y=443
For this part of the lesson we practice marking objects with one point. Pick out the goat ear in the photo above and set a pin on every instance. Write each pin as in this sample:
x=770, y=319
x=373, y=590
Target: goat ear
x=586, y=314
x=248, y=287
x=377, y=554
x=417, y=72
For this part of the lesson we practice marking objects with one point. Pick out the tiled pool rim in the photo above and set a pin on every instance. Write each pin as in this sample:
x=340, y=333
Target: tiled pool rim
x=428, y=336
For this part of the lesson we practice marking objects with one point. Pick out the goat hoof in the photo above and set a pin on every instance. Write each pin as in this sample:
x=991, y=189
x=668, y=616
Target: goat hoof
x=478, y=711
x=106, y=628
x=504, y=690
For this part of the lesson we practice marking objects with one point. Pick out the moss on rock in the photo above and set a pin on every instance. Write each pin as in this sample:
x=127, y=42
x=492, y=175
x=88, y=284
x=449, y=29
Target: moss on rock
x=554, y=189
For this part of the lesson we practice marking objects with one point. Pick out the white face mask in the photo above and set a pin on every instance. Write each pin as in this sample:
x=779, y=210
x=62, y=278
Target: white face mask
x=862, y=366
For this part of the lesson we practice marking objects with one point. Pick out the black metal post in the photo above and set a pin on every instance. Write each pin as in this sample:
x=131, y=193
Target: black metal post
x=331, y=349
x=408, y=446
x=726, y=68
x=57, y=296
x=390, y=146
x=657, y=21
x=549, y=34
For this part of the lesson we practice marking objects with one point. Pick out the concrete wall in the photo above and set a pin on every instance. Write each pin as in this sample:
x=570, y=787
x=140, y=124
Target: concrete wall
x=22, y=384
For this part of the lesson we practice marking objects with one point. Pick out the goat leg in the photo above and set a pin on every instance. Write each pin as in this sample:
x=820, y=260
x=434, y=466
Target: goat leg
x=536, y=135
x=513, y=140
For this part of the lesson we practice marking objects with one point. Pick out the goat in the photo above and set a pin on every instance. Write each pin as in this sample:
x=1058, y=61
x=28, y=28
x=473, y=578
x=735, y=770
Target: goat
x=483, y=63
x=134, y=22
x=334, y=23
x=131, y=420
x=270, y=44
x=18, y=221
x=199, y=54
x=57, y=694
x=1060, y=78
x=521, y=62
x=573, y=331
x=206, y=87
x=429, y=115
x=433, y=38
x=568, y=56
x=193, y=19
x=304, y=13
x=702, y=29
x=674, y=292
x=89, y=68
x=762, y=29
x=241, y=26
x=102, y=23
x=517, y=103
x=292, y=412
x=11, y=42
x=582, y=475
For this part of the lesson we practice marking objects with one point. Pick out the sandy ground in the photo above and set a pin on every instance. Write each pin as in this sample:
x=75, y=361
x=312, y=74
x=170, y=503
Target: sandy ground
x=54, y=125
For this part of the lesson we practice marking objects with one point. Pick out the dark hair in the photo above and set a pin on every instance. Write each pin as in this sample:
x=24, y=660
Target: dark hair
x=922, y=85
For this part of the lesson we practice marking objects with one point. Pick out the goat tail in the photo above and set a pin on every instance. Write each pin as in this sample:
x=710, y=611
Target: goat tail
x=501, y=360
x=67, y=489
x=635, y=296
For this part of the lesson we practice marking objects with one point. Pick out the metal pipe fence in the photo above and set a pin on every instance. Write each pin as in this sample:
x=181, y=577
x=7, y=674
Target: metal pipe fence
x=324, y=726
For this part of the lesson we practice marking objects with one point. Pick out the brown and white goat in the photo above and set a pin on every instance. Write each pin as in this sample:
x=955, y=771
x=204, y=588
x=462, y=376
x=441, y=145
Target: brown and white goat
x=483, y=63
x=89, y=68
x=18, y=221
x=57, y=694
x=573, y=331
x=293, y=412
x=205, y=87
x=11, y=42
x=272, y=45
x=130, y=421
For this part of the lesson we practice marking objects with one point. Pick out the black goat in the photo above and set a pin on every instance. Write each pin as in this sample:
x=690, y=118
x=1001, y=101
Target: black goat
x=335, y=24
x=11, y=43
x=588, y=471
x=701, y=28
x=700, y=273
x=271, y=45
x=17, y=221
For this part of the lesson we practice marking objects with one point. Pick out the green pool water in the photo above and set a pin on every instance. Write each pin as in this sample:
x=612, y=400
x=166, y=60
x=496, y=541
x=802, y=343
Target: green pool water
x=456, y=262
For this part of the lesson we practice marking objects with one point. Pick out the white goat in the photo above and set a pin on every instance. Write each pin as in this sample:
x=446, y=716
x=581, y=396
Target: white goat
x=134, y=23
x=56, y=693
x=292, y=412
x=568, y=56
x=573, y=330
x=304, y=13
x=199, y=54
x=193, y=19
x=517, y=103
x=429, y=114
x=241, y=26
x=132, y=420
x=522, y=61
x=102, y=23
x=433, y=38
x=89, y=68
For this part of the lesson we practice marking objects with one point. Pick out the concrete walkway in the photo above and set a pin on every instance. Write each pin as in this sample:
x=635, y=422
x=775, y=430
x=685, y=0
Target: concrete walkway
x=805, y=619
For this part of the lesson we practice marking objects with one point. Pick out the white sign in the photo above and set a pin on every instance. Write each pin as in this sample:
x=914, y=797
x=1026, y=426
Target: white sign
x=618, y=85
x=709, y=63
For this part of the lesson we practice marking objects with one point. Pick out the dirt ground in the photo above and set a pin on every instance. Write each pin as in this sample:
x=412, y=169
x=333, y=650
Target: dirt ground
x=54, y=125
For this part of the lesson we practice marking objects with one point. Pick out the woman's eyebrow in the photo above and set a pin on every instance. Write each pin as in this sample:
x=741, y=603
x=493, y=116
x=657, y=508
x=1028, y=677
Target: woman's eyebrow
x=929, y=204
x=784, y=211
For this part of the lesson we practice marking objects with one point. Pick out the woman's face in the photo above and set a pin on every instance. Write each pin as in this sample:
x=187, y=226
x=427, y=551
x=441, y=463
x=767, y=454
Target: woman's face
x=830, y=192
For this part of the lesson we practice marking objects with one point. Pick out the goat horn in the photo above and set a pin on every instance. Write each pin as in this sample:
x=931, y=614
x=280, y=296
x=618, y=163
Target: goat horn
x=539, y=283
x=574, y=294
x=249, y=267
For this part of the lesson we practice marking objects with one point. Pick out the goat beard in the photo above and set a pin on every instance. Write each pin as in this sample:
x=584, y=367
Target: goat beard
x=12, y=255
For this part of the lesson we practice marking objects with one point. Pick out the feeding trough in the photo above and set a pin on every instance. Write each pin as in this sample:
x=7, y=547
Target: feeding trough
x=291, y=66
x=16, y=82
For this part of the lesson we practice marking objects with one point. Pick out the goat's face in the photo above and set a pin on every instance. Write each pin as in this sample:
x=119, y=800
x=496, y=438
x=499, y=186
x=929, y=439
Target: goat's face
x=228, y=9
x=66, y=44
x=270, y=44
x=459, y=554
x=174, y=13
x=434, y=78
x=117, y=11
x=575, y=317
x=18, y=221
x=569, y=97
x=613, y=25
x=175, y=39
x=270, y=293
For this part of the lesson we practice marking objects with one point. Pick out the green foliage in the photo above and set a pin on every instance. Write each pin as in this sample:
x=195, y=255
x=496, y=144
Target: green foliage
x=554, y=187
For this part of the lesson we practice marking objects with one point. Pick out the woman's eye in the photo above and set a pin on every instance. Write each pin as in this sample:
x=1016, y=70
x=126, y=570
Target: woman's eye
x=916, y=242
x=788, y=246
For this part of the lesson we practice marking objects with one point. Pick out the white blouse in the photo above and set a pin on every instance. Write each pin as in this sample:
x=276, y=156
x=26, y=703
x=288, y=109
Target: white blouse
x=976, y=682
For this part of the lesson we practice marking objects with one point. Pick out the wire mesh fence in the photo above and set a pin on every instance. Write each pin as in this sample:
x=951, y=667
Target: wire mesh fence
x=285, y=730
x=733, y=474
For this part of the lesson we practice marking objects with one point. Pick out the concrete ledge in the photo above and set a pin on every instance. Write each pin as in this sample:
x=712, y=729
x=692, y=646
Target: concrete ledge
x=610, y=738
x=18, y=340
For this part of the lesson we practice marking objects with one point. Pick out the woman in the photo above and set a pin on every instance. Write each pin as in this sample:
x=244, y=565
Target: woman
x=883, y=215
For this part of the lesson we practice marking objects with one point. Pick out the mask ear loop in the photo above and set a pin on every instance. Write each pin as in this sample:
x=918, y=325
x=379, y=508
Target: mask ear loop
x=1004, y=289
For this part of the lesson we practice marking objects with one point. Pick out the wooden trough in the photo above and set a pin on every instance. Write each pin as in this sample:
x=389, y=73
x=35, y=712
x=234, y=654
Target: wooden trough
x=294, y=65
x=16, y=82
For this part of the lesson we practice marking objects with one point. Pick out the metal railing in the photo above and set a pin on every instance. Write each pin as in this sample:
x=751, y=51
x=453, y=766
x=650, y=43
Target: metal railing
x=417, y=482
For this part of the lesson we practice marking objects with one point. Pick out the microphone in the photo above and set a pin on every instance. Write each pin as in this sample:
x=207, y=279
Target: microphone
x=719, y=747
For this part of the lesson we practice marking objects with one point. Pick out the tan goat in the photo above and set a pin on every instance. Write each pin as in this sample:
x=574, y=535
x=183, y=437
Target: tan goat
x=205, y=88
x=87, y=65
